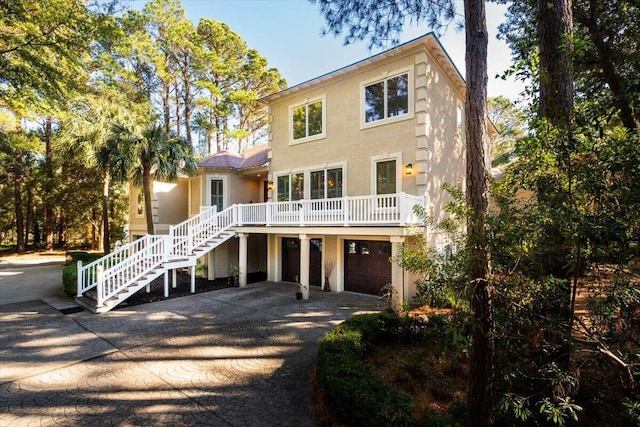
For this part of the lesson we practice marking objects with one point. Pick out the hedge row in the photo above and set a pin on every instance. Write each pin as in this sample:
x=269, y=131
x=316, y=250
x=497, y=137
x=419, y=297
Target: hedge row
x=357, y=396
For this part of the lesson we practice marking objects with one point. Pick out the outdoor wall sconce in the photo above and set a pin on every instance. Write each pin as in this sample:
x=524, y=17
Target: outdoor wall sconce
x=408, y=169
x=270, y=185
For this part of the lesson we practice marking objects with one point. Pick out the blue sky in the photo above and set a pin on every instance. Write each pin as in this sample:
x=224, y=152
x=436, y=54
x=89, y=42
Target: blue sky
x=288, y=34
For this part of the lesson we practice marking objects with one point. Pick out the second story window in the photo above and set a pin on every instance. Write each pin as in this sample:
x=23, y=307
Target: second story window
x=290, y=187
x=140, y=207
x=308, y=121
x=326, y=183
x=386, y=98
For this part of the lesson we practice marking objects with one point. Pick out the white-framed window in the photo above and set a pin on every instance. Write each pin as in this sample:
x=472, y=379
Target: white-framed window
x=386, y=175
x=387, y=99
x=307, y=121
x=290, y=187
x=140, y=205
x=326, y=183
x=217, y=191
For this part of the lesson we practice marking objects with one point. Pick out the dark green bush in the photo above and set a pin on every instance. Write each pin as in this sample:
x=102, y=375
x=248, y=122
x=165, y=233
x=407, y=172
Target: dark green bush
x=85, y=257
x=356, y=395
x=70, y=279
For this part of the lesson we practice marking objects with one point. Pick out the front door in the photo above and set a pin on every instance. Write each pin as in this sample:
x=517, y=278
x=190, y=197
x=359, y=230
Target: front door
x=291, y=261
x=217, y=194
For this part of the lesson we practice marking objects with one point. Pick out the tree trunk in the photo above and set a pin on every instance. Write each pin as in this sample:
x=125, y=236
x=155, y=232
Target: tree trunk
x=17, y=201
x=187, y=105
x=481, y=364
x=28, y=215
x=62, y=230
x=106, y=244
x=555, y=29
x=48, y=187
x=556, y=56
x=177, y=109
x=166, y=107
x=94, y=245
x=147, y=188
x=622, y=97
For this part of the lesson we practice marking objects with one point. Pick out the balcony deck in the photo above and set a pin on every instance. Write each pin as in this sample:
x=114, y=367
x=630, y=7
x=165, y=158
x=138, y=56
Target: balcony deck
x=374, y=210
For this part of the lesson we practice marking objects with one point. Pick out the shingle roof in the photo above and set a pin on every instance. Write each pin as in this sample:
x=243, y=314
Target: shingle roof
x=227, y=160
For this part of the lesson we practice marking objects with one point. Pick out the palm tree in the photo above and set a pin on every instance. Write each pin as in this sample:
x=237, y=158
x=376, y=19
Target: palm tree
x=153, y=155
x=86, y=132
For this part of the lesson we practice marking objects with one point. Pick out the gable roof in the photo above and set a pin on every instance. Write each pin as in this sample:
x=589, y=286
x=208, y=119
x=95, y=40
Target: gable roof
x=254, y=158
x=430, y=41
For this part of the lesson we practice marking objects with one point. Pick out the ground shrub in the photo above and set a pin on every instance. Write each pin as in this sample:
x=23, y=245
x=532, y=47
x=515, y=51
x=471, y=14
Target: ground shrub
x=357, y=396
x=70, y=279
x=353, y=392
x=70, y=271
x=85, y=257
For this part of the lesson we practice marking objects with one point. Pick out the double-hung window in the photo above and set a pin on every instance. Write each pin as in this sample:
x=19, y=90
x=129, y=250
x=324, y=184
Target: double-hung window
x=387, y=98
x=308, y=121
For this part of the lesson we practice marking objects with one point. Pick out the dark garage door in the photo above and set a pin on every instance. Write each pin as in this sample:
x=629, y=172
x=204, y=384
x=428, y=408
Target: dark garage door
x=367, y=266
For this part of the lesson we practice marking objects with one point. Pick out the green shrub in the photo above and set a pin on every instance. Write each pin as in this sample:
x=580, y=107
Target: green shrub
x=70, y=278
x=70, y=271
x=85, y=257
x=356, y=395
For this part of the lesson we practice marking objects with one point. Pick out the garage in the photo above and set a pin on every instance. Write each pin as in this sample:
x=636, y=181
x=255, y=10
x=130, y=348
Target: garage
x=367, y=266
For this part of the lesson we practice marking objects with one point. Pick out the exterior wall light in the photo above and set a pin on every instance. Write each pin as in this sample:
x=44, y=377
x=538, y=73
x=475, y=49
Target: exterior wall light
x=270, y=185
x=408, y=169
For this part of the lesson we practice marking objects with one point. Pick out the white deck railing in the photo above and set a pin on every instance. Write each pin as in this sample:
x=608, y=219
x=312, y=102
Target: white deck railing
x=117, y=270
x=388, y=209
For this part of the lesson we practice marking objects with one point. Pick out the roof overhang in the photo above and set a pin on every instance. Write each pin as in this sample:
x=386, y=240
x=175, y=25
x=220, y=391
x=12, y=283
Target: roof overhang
x=431, y=43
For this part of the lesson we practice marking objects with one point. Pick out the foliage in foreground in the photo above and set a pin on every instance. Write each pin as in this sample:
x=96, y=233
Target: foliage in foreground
x=357, y=396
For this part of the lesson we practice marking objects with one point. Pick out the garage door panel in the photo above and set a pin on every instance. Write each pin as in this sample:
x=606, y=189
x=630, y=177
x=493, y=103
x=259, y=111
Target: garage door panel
x=367, y=266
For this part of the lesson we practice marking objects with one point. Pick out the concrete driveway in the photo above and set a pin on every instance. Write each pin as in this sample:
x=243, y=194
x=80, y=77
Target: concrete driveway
x=234, y=357
x=31, y=277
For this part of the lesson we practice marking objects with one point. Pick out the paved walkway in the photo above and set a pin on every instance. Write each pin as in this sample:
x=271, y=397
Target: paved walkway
x=234, y=357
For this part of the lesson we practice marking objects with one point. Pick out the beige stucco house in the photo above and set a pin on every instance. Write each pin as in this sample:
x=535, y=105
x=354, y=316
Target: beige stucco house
x=348, y=156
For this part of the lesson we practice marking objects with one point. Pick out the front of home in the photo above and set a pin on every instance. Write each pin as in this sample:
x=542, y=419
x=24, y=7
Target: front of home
x=331, y=196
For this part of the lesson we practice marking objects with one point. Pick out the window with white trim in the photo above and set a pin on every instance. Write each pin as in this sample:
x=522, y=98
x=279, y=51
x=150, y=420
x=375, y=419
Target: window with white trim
x=386, y=177
x=308, y=120
x=217, y=191
x=326, y=183
x=290, y=187
x=140, y=206
x=386, y=98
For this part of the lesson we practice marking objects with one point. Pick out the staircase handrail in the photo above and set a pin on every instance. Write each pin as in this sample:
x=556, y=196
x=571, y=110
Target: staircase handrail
x=180, y=233
x=88, y=274
x=212, y=226
x=117, y=277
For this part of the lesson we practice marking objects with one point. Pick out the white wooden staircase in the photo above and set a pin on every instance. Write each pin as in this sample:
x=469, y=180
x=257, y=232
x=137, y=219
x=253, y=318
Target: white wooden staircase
x=110, y=280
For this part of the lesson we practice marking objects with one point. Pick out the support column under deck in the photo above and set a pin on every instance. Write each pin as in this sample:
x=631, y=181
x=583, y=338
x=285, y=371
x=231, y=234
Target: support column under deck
x=242, y=258
x=305, y=251
x=397, y=272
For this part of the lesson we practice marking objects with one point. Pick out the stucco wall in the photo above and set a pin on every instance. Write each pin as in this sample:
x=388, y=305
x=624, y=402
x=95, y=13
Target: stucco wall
x=426, y=137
